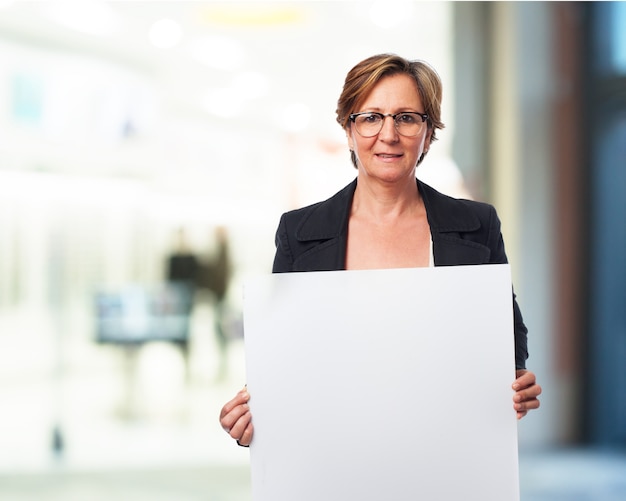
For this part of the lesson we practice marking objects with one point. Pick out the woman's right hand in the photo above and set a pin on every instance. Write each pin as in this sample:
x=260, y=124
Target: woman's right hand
x=236, y=419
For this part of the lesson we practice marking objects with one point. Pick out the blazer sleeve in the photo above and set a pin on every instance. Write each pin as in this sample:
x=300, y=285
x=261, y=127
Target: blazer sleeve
x=283, y=259
x=498, y=256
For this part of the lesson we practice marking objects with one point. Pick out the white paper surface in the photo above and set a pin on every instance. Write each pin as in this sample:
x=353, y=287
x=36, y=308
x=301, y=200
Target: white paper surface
x=382, y=385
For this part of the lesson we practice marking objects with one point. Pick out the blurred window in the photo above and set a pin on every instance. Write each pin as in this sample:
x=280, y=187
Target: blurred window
x=610, y=37
x=606, y=83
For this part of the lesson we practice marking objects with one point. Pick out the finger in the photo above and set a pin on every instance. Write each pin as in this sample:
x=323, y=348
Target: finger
x=239, y=430
x=228, y=421
x=241, y=398
x=524, y=379
x=246, y=436
x=530, y=393
x=526, y=402
x=522, y=408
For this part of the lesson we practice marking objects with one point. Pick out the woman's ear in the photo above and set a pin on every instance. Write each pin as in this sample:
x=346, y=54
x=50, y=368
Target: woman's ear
x=350, y=139
x=428, y=139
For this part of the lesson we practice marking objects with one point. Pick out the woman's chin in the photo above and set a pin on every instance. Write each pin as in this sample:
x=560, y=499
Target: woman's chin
x=388, y=174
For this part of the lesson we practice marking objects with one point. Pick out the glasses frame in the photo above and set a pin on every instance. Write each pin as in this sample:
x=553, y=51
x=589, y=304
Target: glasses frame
x=354, y=116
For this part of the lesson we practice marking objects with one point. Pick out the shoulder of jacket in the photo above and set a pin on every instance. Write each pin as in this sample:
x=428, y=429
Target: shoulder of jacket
x=447, y=213
x=321, y=220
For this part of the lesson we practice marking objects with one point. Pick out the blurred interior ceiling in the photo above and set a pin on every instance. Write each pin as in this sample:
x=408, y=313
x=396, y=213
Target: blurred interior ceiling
x=226, y=58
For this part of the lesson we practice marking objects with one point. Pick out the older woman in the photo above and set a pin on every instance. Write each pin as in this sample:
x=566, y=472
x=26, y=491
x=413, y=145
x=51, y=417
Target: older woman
x=386, y=218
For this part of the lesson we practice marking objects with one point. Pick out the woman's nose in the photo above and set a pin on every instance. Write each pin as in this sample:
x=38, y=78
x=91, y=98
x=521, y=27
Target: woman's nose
x=388, y=131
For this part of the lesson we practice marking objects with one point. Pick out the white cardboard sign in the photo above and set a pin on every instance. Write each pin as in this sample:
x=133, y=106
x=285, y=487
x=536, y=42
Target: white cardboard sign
x=382, y=385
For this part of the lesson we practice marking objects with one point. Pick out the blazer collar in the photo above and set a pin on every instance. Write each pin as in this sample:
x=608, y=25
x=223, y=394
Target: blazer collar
x=329, y=219
x=449, y=219
x=446, y=214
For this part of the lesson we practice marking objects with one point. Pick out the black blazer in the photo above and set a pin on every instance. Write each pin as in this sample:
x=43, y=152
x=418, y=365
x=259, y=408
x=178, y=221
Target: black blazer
x=464, y=232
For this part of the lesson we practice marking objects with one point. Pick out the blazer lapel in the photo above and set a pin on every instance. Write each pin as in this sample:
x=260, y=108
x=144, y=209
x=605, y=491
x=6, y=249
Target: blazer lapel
x=324, y=231
x=450, y=250
x=449, y=219
x=327, y=225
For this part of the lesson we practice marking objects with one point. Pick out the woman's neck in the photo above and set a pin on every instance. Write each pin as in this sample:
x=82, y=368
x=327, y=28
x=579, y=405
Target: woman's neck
x=386, y=200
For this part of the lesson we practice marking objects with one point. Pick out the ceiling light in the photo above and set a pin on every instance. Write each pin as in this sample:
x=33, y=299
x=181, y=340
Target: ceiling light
x=218, y=52
x=165, y=34
x=385, y=14
x=88, y=16
x=250, y=15
x=251, y=85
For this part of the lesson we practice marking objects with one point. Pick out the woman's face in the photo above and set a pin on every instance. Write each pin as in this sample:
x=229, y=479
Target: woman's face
x=389, y=156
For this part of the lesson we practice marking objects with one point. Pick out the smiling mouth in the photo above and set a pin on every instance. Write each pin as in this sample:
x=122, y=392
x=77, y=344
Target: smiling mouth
x=388, y=155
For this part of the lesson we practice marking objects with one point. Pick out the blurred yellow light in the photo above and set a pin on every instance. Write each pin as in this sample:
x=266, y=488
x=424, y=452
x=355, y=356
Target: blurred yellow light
x=252, y=15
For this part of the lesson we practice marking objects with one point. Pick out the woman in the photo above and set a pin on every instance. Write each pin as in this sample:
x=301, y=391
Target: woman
x=390, y=109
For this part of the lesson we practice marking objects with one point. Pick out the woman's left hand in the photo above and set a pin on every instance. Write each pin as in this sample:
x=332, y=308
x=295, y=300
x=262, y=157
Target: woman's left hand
x=526, y=392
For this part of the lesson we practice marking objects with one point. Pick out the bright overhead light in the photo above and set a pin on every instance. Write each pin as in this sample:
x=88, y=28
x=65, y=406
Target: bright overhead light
x=165, y=33
x=251, y=85
x=218, y=52
x=261, y=14
x=389, y=14
x=93, y=17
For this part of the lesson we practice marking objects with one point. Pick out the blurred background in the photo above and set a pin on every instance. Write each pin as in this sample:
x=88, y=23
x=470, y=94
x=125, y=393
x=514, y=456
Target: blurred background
x=135, y=139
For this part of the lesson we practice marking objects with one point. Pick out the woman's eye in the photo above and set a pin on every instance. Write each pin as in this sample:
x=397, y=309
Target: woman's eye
x=371, y=118
x=405, y=118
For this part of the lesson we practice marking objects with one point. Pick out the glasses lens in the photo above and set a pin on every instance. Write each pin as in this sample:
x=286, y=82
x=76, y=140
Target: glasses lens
x=407, y=124
x=369, y=124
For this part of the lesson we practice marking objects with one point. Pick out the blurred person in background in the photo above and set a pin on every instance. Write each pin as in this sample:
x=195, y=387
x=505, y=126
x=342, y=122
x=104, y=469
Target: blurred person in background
x=182, y=275
x=182, y=265
x=390, y=110
x=215, y=275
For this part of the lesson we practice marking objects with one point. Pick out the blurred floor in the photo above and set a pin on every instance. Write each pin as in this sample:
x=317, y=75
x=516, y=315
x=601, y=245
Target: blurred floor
x=575, y=475
x=217, y=483
x=167, y=444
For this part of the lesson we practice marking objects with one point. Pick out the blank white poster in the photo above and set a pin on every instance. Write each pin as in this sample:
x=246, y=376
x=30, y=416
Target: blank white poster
x=382, y=385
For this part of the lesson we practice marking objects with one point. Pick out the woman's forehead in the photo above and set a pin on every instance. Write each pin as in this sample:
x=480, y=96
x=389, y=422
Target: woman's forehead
x=393, y=91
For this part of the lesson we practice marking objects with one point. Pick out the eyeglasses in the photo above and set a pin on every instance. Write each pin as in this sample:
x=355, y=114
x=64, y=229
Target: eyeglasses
x=407, y=123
